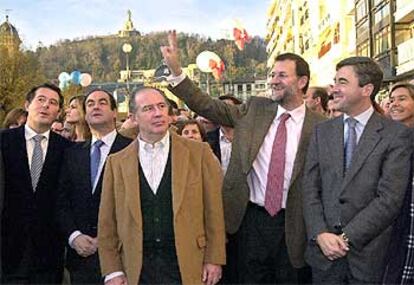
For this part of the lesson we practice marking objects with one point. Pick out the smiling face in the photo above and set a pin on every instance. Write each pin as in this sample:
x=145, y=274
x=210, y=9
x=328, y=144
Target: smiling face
x=349, y=97
x=402, y=106
x=43, y=109
x=151, y=115
x=286, y=86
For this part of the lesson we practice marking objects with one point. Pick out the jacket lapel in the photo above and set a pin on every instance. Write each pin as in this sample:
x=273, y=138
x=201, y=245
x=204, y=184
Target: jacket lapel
x=307, y=129
x=369, y=139
x=179, y=168
x=129, y=170
x=260, y=127
x=20, y=150
x=335, y=142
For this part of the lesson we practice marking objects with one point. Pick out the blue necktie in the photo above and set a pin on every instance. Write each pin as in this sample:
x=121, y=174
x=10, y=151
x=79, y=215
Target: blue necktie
x=95, y=159
x=37, y=161
x=351, y=141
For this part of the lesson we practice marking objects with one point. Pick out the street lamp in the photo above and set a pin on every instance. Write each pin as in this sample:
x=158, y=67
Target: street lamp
x=127, y=48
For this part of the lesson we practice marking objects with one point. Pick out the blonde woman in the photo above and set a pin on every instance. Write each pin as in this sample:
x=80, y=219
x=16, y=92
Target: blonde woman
x=75, y=116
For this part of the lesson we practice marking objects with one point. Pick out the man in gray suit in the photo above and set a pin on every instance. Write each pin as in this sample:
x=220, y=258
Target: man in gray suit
x=356, y=175
x=269, y=222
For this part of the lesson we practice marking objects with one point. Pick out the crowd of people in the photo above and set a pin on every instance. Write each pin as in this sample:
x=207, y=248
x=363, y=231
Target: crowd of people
x=311, y=185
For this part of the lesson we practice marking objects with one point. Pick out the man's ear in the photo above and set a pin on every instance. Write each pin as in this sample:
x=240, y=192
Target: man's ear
x=303, y=80
x=367, y=90
x=26, y=105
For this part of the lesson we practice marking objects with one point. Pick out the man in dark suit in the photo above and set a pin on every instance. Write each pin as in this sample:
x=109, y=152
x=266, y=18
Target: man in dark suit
x=32, y=248
x=81, y=184
x=268, y=220
x=356, y=175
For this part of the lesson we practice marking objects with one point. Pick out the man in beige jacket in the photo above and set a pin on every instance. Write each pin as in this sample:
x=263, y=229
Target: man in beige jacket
x=161, y=215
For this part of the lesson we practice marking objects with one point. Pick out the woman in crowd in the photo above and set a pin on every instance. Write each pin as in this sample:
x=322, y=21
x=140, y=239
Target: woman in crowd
x=76, y=117
x=15, y=118
x=400, y=264
x=192, y=129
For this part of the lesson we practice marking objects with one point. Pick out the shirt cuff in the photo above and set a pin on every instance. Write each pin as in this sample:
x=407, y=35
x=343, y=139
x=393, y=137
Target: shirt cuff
x=113, y=275
x=175, y=80
x=72, y=237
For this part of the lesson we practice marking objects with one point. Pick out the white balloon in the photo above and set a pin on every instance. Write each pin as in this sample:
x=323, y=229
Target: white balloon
x=203, y=60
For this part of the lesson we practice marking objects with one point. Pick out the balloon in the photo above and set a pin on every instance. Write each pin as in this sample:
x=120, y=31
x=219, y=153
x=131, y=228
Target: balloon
x=217, y=68
x=64, y=84
x=63, y=77
x=203, y=60
x=75, y=77
x=85, y=79
x=240, y=35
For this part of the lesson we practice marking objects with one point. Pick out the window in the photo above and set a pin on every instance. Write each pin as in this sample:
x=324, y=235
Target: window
x=361, y=10
x=382, y=41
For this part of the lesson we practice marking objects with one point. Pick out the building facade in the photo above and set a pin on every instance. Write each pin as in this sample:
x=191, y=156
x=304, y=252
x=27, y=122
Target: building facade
x=324, y=32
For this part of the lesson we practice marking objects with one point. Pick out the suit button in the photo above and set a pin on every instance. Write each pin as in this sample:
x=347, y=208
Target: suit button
x=157, y=220
x=341, y=201
x=157, y=240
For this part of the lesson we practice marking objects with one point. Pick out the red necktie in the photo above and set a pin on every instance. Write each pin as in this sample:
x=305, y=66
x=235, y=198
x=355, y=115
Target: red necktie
x=275, y=176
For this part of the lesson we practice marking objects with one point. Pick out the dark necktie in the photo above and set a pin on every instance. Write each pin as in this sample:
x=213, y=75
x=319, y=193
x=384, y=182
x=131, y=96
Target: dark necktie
x=37, y=161
x=95, y=159
x=275, y=176
x=351, y=141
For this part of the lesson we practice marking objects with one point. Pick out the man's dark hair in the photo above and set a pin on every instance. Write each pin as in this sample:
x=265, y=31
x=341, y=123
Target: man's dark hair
x=302, y=66
x=111, y=98
x=31, y=94
x=367, y=71
x=320, y=92
x=235, y=100
x=133, y=106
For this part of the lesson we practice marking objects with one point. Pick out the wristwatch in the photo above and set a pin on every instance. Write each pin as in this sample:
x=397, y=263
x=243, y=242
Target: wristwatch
x=344, y=237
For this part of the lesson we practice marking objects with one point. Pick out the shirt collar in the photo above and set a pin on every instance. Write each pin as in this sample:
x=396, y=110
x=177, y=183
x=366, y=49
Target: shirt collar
x=163, y=143
x=107, y=139
x=363, y=117
x=296, y=115
x=223, y=138
x=29, y=133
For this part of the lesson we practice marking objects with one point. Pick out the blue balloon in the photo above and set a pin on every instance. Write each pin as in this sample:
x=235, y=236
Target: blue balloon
x=75, y=76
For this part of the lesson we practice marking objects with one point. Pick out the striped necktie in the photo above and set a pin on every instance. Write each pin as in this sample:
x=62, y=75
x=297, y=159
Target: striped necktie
x=37, y=161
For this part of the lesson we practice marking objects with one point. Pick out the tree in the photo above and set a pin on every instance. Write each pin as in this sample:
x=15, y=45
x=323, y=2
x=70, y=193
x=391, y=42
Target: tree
x=19, y=72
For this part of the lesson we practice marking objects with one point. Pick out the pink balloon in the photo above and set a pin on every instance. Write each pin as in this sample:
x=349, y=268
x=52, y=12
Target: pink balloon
x=85, y=79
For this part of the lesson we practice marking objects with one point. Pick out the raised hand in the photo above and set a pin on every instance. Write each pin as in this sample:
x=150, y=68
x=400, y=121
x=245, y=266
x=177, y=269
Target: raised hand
x=171, y=54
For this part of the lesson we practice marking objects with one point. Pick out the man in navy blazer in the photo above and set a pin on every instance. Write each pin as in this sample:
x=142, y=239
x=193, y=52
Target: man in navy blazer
x=32, y=249
x=80, y=194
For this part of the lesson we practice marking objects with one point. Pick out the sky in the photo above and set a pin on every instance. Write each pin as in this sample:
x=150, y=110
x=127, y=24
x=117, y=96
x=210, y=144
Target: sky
x=49, y=21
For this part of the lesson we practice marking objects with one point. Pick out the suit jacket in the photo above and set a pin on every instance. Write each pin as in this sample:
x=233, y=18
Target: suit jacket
x=213, y=139
x=251, y=122
x=77, y=206
x=27, y=215
x=365, y=201
x=197, y=211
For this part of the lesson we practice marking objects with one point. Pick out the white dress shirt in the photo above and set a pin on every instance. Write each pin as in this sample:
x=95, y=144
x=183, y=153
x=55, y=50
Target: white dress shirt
x=362, y=120
x=108, y=141
x=29, y=133
x=153, y=159
x=225, y=151
x=257, y=177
